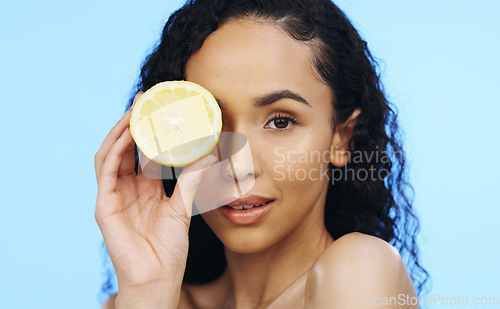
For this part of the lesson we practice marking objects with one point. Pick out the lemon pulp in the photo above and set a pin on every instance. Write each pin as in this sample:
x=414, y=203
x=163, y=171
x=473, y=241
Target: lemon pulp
x=175, y=123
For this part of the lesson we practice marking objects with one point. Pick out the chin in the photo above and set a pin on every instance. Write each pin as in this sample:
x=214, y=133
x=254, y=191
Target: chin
x=239, y=239
x=247, y=245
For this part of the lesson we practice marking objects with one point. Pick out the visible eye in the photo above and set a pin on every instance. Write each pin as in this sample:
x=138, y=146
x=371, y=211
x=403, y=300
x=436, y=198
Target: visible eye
x=281, y=122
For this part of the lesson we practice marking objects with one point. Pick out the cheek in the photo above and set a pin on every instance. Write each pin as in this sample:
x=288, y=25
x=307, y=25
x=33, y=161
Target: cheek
x=299, y=162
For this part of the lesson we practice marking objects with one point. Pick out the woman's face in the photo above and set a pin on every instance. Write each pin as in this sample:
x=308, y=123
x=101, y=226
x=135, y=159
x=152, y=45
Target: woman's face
x=268, y=91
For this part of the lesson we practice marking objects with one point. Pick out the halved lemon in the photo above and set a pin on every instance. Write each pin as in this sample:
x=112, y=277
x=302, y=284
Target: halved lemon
x=175, y=123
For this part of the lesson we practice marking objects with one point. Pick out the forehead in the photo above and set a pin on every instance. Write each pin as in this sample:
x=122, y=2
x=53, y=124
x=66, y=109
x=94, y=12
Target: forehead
x=253, y=56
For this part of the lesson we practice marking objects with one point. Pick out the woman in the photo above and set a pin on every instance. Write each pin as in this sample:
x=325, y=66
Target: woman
x=296, y=79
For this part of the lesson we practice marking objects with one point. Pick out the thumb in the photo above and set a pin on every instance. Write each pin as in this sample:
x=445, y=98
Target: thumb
x=189, y=181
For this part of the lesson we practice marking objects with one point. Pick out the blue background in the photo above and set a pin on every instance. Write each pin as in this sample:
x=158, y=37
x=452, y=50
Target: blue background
x=67, y=69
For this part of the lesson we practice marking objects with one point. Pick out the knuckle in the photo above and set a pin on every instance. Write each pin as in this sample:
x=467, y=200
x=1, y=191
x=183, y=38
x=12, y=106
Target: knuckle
x=97, y=156
x=98, y=214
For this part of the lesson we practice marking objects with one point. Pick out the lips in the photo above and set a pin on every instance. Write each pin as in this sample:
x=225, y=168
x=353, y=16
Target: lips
x=249, y=201
x=245, y=211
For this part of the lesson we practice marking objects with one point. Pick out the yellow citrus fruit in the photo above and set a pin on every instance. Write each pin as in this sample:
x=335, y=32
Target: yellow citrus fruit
x=176, y=123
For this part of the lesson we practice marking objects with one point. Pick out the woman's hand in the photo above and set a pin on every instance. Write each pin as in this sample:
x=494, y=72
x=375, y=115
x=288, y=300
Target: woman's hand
x=146, y=232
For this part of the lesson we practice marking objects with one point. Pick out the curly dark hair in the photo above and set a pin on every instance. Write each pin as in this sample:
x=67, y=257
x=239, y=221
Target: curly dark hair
x=379, y=206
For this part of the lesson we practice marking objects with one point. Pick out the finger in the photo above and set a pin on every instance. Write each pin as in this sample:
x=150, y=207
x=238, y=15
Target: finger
x=127, y=163
x=112, y=136
x=107, y=177
x=188, y=183
x=137, y=96
x=109, y=141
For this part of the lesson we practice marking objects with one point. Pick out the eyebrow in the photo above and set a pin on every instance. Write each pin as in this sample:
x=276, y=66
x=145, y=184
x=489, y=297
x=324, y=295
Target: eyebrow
x=272, y=97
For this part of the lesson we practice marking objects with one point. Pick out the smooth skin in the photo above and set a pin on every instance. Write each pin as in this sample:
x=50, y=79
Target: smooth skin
x=286, y=260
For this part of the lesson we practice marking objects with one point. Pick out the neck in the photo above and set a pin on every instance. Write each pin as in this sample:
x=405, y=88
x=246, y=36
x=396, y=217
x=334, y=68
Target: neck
x=258, y=278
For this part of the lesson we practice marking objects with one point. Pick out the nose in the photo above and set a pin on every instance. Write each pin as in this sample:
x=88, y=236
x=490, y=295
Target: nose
x=239, y=166
x=234, y=150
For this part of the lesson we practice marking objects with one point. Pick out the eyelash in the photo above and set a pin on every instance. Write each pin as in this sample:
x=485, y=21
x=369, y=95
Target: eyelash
x=288, y=118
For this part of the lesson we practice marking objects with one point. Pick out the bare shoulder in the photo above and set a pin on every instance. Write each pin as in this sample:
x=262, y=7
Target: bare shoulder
x=360, y=248
x=359, y=271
